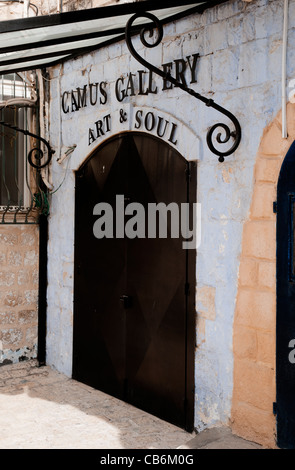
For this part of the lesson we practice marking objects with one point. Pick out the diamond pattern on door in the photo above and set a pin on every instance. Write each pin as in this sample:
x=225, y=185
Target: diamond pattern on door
x=140, y=351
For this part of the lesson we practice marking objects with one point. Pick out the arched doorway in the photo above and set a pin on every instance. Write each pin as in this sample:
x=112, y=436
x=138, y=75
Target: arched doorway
x=285, y=343
x=134, y=315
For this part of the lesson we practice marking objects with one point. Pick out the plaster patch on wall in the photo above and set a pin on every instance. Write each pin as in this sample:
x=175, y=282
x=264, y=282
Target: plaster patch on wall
x=205, y=302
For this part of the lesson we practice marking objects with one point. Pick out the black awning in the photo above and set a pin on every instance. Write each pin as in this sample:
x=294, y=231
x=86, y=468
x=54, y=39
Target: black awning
x=38, y=42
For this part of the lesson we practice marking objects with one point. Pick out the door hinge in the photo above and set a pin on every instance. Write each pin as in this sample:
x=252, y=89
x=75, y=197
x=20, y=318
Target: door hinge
x=186, y=288
x=274, y=408
x=275, y=207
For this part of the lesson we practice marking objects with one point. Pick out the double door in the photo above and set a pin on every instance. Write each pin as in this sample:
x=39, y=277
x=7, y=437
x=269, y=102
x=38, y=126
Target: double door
x=134, y=327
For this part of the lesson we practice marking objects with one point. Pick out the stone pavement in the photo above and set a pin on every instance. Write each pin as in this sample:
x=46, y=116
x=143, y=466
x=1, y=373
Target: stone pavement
x=43, y=409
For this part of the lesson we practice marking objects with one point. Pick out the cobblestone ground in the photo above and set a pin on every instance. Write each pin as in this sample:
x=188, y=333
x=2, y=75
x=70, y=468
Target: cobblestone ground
x=43, y=409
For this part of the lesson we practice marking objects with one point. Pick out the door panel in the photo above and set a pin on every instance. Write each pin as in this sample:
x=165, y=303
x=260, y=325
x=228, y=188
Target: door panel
x=137, y=350
x=100, y=277
x=285, y=370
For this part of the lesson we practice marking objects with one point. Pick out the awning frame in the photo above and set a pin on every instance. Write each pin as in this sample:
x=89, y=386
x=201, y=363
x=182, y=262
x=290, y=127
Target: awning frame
x=148, y=22
x=80, y=17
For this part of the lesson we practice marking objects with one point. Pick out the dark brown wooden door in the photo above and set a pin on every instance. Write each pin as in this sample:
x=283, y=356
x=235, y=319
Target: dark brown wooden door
x=285, y=334
x=133, y=314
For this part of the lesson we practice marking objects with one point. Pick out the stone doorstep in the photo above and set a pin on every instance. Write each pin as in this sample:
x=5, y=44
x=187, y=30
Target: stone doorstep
x=219, y=438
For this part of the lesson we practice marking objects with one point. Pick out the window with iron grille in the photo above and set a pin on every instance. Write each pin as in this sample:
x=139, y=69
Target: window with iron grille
x=15, y=95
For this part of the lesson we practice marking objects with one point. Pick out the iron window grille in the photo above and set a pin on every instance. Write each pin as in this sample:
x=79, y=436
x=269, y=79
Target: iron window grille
x=16, y=179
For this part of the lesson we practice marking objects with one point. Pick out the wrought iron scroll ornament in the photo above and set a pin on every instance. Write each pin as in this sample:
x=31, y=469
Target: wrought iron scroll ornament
x=221, y=137
x=37, y=151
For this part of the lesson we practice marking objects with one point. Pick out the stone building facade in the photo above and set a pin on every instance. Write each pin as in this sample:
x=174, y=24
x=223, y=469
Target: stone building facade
x=239, y=47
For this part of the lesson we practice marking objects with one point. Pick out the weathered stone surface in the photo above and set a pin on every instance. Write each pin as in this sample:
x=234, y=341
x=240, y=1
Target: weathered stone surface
x=8, y=238
x=7, y=317
x=31, y=258
x=18, y=290
x=255, y=309
x=15, y=258
x=27, y=316
x=23, y=277
x=205, y=302
x=31, y=336
x=11, y=338
x=6, y=278
x=13, y=299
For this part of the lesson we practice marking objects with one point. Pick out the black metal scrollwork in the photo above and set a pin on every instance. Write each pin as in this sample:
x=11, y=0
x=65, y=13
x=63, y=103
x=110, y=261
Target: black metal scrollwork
x=37, y=151
x=226, y=133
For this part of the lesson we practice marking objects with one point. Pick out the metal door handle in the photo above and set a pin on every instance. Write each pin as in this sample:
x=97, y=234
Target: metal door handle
x=127, y=301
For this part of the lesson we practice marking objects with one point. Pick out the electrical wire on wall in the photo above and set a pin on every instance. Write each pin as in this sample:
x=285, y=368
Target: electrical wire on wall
x=66, y=154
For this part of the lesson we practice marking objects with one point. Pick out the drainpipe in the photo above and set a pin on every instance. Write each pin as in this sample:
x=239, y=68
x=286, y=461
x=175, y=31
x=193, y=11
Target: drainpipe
x=284, y=62
x=59, y=6
x=43, y=242
x=26, y=8
x=43, y=238
x=42, y=297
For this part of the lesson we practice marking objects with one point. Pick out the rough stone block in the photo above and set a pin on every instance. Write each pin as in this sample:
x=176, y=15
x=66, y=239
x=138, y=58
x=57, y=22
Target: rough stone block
x=13, y=299
x=267, y=169
x=256, y=309
x=30, y=297
x=261, y=393
x=8, y=238
x=15, y=258
x=11, y=338
x=23, y=277
x=248, y=273
x=31, y=336
x=7, y=318
x=251, y=54
x=28, y=238
x=215, y=38
x=267, y=274
x=253, y=424
x=262, y=203
x=266, y=348
x=259, y=240
x=272, y=142
x=245, y=342
x=31, y=258
x=268, y=20
x=7, y=278
x=225, y=70
x=27, y=316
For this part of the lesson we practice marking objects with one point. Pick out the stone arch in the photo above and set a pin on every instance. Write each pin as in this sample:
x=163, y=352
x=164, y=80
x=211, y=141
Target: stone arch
x=189, y=145
x=254, y=330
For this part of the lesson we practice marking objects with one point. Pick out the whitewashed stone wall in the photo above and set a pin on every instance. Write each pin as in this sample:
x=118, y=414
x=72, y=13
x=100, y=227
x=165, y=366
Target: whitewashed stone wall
x=240, y=68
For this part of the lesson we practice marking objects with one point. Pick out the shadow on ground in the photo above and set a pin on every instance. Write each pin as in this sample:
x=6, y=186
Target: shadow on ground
x=43, y=409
